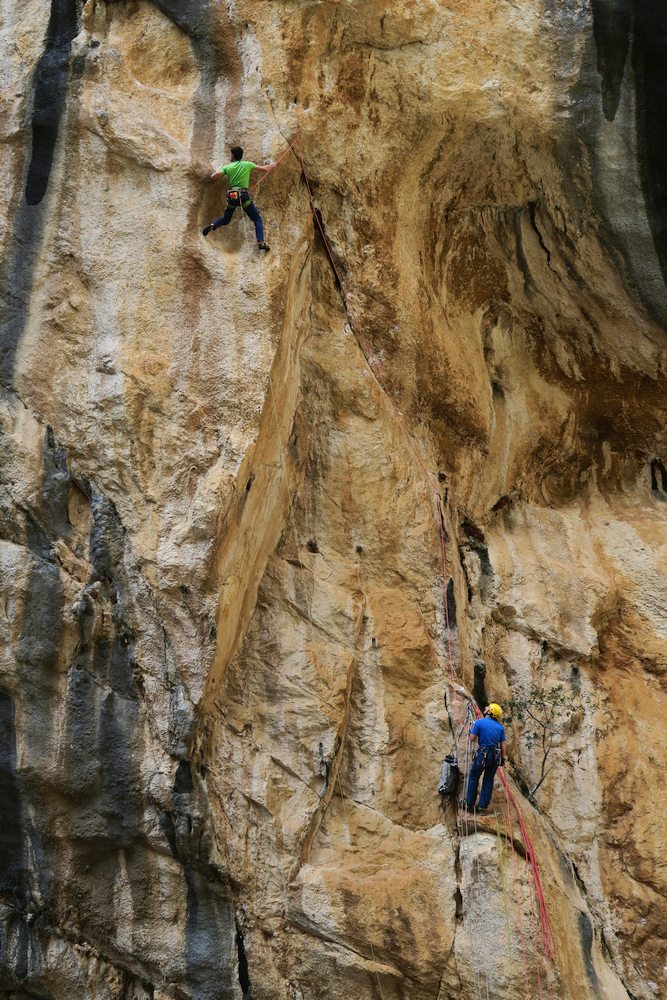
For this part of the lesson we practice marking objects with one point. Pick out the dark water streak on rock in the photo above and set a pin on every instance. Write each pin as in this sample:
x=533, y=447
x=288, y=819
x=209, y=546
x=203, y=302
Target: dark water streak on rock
x=26, y=865
x=638, y=28
x=13, y=854
x=50, y=85
x=101, y=745
x=210, y=926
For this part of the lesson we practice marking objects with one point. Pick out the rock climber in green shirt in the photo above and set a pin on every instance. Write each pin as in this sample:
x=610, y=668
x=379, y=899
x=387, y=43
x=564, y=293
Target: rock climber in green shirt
x=238, y=177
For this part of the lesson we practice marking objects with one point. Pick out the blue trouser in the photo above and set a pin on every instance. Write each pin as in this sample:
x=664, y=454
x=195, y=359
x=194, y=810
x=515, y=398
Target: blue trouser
x=486, y=761
x=250, y=210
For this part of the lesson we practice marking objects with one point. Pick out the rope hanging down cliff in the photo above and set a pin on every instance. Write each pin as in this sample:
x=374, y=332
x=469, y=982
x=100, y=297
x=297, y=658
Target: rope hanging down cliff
x=366, y=351
x=546, y=937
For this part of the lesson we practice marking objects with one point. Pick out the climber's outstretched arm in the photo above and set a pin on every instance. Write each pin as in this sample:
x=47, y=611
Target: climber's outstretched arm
x=265, y=169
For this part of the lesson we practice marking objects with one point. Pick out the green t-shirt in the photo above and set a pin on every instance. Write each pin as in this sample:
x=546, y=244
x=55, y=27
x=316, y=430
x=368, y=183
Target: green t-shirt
x=238, y=173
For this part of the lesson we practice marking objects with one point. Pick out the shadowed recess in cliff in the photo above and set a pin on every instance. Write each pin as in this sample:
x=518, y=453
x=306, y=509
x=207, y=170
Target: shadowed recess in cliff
x=658, y=479
x=51, y=81
x=451, y=603
x=12, y=848
x=244, y=975
x=210, y=932
x=210, y=928
x=479, y=685
x=612, y=22
x=14, y=884
x=640, y=26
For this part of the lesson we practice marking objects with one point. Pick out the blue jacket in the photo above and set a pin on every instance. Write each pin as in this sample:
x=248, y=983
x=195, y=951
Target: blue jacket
x=489, y=732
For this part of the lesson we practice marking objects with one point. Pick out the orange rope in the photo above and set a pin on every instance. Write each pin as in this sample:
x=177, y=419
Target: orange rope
x=266, y=173
x=367, y=353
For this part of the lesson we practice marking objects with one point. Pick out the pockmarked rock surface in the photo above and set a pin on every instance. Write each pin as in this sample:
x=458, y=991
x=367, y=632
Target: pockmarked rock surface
x=265, y=521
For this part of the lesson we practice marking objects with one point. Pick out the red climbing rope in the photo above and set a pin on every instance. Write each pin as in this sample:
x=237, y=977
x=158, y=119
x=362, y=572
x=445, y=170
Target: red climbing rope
x=517, y=901
x=545, y=925
x=546, y=933
x=535, y=955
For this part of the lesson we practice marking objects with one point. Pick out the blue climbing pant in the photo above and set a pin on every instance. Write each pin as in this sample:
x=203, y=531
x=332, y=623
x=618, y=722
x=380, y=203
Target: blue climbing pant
x=250, y=210
x=486, y=762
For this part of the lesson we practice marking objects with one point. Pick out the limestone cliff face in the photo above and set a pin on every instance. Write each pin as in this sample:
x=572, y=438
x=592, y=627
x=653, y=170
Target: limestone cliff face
x=224, y=621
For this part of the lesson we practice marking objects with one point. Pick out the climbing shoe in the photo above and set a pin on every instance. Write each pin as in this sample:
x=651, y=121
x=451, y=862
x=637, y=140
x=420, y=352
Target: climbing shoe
x=261, y=245
x=207, y=229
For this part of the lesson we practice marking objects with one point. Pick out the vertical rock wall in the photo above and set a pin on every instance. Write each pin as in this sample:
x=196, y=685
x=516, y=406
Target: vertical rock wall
x=224, y=621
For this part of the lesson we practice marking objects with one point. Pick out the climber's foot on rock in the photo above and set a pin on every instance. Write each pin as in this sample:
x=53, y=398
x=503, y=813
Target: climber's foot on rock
x=261, y=245
x=207, y=229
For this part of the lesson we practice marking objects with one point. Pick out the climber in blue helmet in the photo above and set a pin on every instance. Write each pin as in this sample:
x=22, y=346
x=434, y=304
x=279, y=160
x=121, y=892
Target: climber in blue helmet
x=489, y=732
x=238, y=177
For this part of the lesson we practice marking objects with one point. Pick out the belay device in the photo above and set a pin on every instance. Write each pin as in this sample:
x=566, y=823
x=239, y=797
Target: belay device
x=449, y=775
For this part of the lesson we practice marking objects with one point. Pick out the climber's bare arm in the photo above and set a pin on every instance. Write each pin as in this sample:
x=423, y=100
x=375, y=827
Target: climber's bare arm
x=264, y=169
